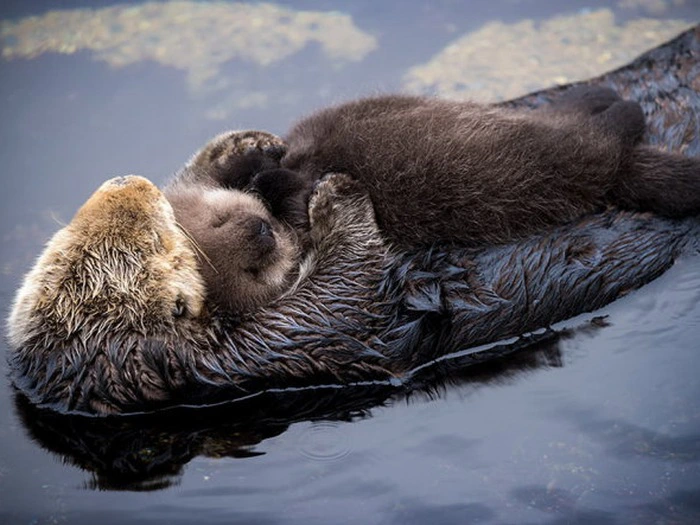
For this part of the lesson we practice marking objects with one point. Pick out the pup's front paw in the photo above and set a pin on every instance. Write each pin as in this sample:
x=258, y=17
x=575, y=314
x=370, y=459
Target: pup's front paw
x=340, y=203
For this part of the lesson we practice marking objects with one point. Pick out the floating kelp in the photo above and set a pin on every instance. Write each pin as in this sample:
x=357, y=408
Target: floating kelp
x=197, y=37
x=501, y=60
x=654, y=7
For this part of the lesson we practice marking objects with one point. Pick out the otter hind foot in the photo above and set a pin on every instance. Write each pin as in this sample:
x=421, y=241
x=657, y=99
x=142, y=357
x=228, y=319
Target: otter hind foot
x=624, y=119
x=620, y=118
x=589, y=100
x=659, y=181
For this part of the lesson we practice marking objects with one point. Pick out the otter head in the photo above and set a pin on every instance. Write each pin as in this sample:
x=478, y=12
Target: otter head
x=112, y=289
x=247, y=256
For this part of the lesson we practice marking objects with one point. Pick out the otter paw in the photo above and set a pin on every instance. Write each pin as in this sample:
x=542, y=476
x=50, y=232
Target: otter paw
x=339, y=202
x=233, y=158
x=239, y=143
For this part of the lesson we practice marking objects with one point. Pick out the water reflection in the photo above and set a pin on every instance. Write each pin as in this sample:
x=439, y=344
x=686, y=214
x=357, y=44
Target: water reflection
x=418, y=513
x=213, y=43
x=196, y=37
x=532, y=56
x=626, y=441
x=148, y=452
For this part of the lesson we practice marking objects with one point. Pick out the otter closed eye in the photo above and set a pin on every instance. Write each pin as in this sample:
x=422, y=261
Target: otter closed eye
x=265, y=229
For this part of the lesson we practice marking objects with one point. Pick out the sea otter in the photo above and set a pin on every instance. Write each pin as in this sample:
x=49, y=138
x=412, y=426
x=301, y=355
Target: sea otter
x=436, y=171
x=113, y=317
x=462, y=172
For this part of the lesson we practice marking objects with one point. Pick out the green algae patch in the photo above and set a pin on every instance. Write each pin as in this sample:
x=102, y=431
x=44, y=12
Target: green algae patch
x=501, y=61
x=196, y=37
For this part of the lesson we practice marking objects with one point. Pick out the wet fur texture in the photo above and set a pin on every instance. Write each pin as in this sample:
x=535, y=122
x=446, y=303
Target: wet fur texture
x=123, y=337
x=113, y=317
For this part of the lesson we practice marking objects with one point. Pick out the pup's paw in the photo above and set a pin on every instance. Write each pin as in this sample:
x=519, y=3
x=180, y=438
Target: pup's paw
x=340, y=203
x=231, y=159
x=239, y=143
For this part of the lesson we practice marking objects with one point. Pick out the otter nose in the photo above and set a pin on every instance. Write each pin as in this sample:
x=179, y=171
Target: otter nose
x=120, y=181
x=264, y=230
x=127, y=181
x=124, y=180
x=264, y=237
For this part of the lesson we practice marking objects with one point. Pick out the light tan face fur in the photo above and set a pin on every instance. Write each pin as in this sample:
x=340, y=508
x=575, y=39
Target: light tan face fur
x=122, y=262
x=248, y=258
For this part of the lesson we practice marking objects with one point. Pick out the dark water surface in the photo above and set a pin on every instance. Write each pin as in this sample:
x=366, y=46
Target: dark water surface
x=602, y=426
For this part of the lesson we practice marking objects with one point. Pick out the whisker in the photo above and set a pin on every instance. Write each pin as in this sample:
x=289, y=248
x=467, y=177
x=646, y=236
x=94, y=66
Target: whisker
x=196, y=246
x=54, y=217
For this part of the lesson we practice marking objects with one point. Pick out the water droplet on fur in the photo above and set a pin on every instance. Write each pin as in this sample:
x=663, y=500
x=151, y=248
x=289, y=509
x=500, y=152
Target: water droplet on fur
x=324, y=441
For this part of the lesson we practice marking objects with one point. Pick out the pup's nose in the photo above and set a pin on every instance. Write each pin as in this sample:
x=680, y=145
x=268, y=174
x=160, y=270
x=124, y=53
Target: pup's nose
x=263, y=236
x=264, y=230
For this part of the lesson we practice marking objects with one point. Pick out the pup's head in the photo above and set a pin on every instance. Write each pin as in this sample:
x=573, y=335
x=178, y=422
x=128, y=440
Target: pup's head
x=247, y=256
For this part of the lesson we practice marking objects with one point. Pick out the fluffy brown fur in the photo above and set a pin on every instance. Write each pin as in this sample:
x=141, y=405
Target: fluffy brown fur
x=456, y=171
x=249, y=248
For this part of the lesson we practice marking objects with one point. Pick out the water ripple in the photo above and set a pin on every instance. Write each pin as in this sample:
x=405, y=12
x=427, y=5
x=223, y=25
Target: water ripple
x=324, y=441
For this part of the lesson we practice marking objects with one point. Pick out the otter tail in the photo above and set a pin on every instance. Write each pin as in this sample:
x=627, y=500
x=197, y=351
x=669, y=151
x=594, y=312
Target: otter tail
x=662, y=182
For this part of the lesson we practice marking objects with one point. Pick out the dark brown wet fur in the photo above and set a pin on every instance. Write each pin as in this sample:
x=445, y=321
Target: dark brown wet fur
x=363, y=313
x=112, y=317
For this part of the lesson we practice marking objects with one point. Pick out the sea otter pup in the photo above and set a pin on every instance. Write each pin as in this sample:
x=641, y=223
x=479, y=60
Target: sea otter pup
x=441, y=171
x=246, y=244
x=457, y=171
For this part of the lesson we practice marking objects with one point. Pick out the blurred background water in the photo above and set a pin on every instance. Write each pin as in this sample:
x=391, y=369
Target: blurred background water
x=607, y=432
